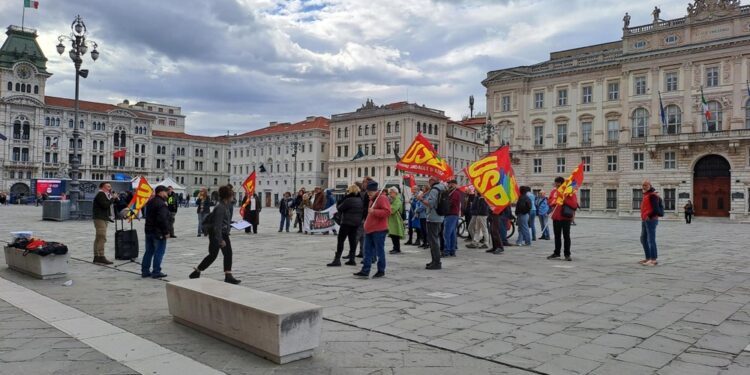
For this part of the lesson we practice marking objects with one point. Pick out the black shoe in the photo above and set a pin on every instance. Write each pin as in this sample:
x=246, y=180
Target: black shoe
x=554, y=256
x=228, y=278
x=102, y=260
x=408, y=242
x=195, y=274
x=394, y=252
x=145, y=275
x=359, y=255
x=378, y=275
x=158, y=275
x=279, y=230
x=490, y=251
x=172, y=236
x=361, y=274
x=567, y=258
x=351, y=262
x=198, y=235
x=335, y=263
x=434, y=266
x=498, y=251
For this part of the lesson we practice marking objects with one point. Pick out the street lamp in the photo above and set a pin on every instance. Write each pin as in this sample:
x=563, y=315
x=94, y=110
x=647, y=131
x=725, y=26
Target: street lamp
x=487, y=131
x=78, y=48
x=295, y=144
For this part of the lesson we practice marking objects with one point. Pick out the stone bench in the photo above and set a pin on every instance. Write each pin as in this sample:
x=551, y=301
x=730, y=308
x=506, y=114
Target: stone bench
x=276, y=328
x=42, y=267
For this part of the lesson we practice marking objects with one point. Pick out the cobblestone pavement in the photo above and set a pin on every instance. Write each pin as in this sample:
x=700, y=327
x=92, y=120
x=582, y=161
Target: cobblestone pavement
x=600, y=314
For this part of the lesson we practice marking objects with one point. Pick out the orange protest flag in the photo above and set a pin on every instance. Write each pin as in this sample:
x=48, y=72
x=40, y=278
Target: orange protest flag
x=571, y=184
x=143, y=194
x=421, y=157
x=249, y=186
x=493, y=178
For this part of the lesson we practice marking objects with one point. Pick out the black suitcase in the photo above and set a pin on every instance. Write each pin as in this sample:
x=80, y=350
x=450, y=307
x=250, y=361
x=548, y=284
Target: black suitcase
x=126, y=242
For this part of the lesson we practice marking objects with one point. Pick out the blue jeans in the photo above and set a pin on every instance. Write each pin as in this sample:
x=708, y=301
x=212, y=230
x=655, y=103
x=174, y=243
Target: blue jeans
x=648, y=238
x=284, y=218
x=523, y=229
x=543, y=224
x=450, y=234
x=374, y=246
x=532, y=224
x=504, y=231
x=201, y=216
x=155, y=249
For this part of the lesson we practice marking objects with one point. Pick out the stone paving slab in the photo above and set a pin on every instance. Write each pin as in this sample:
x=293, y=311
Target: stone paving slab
x=694, y=300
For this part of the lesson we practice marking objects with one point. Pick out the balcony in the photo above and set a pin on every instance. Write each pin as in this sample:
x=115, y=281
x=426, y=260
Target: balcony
x=723, y=135
x=538, y=146
x=585, y=143
x=612, y=142
x=561, y=145
x=21, y=164
x=18, y=139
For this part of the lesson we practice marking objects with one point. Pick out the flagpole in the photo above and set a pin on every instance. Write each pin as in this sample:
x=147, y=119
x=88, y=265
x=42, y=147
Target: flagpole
x=23, y=16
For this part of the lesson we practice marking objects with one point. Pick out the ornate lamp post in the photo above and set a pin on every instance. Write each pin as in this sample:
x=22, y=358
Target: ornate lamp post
x=487, y=131
x=295, y=144
x=78, y=48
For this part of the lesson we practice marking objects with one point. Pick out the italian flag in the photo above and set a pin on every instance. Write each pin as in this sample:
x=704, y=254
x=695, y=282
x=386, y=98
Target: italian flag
x=706, y=112
x=31, y=4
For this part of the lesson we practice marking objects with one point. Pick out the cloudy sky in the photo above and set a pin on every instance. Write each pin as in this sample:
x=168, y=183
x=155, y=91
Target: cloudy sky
x=235, y=65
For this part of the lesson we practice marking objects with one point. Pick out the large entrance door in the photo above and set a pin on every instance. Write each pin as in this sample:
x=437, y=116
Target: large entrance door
x=268, y=199
x=711, y=186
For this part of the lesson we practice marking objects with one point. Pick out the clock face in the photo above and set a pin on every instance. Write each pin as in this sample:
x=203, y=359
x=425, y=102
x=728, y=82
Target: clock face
x=24, y=71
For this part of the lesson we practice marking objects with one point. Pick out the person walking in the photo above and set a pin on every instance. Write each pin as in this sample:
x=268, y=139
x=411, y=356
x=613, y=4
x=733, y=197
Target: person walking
x=172, y=204
x=218, y=235
x=561, y=219
x=376, y=227
x=532, y=214
x=101, y=214
x=523, y=207
x=450, y=221
x=434, y=221
x=479, y=212
x=285, y=211
x=157, y=233
x=543, y=213
x=350, y=209
x=395, y=220
x=365, y=203
x=204, y=204
x=650, y=212
x=689, y=212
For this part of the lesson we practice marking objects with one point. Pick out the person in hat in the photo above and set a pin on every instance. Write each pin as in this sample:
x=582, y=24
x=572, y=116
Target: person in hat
x=157, y=233
x=376, y=228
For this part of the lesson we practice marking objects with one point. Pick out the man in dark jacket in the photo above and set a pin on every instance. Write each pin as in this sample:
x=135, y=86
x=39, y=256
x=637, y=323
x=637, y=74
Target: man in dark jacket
x=479, y=212
x=101, y=214
x=219, y=237
x=365, y=203
x=172, y=203
x=299, y=209
x=523, y=208
x=252, y=213
x=450, y=221
x=157, y=232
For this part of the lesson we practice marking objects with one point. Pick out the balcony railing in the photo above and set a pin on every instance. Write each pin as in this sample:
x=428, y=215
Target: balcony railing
x=585, y=143
x=700, y=136
x=562, y=145
x=612, y=142
x=21, y=163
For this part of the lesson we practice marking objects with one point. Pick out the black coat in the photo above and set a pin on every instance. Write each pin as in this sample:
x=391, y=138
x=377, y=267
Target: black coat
x=157, y=217
x=523, y=206
x=479, y=207
x=204, y=205
x=102, y=207
x=351, y=210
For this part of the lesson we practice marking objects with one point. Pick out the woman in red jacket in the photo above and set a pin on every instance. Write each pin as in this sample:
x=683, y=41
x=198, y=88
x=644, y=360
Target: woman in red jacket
x=561, y=219
x=376, y=228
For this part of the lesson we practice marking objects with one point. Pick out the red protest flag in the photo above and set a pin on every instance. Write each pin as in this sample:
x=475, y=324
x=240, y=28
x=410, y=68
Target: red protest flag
x=571, y=184
x=493, y=178
x=119, y=153
x=143, y=194
x=249, y=186
x=410, y=180
x=421, y=157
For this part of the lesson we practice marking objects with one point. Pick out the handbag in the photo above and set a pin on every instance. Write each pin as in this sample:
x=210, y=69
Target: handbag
x=567, y=211
x=337, y=218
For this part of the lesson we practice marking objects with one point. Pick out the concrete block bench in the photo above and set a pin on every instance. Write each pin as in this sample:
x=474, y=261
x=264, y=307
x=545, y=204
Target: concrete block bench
x=42, y=267
x=277, y=328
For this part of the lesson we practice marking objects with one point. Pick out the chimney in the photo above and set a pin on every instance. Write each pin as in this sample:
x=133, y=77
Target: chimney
x=310, y=118
x=273, y=123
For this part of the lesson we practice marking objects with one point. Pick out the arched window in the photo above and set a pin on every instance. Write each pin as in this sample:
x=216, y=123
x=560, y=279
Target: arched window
x=338, y=133
x=747, y=114
x=388, y=127
x=46, y=121
x=95, y=145
x=359, y=131
x=372, y=172
x=346, y=132
x=674, y=120
x=359, y=172
x=36, y=89
x=80, y=124
x=10, y=86
x=419, y=127
x=397, y=126
x=367, y=129
x=70, y=123
x=713, y=123
x=640, y=123
x=429, y=129
x=373, y=129
x=387, y=171
x=101, y=145
x=47, y=141
x=18, y=86
x=346, y=173
x=57, y=121
x=338, y=173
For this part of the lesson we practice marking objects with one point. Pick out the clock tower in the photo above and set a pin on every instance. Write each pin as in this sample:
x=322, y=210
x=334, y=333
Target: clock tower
x=23, y=66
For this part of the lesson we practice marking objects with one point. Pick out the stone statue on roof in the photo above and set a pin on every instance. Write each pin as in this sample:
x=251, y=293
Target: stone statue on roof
x=656, y=14
x=626, y=21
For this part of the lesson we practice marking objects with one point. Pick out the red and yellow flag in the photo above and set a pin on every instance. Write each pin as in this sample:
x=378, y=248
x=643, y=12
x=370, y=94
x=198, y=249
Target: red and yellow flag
x=493, y=178
x=422, y=158
x=143, y=194
x=249, y=186
x=571, y=184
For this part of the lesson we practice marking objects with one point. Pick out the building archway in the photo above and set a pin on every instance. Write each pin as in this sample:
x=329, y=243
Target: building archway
x=20, y=190
x=712, y=186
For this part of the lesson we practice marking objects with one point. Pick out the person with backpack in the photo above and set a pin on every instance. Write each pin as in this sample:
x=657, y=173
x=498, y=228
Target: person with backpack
x=542, y=212
x=204, y=205
x=562, y=215
x=437, y=204
x=217, y=226
x=689, y=212
x=652, y=207
x=157, y=233
x=523, y=208
x=285, y=209
x=450, y=220
x=395, y=220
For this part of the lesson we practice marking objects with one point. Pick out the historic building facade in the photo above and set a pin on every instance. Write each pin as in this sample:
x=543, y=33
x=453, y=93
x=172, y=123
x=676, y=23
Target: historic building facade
x=378, y=132
x=602, y=105
x=464, y=146
x=270, y=152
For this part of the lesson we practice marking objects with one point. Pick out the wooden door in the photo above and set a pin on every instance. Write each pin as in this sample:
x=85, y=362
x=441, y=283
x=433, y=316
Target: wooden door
x=268, y=199
x=712, y=196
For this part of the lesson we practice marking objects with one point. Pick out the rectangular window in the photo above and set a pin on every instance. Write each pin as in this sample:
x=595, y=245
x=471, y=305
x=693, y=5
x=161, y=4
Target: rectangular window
x=611, y=199
x=613, y=91
x=613, y=131
x=637, y=198
x=560, y=165
x=562, y=97
x=562, y=134
x=712, y=76
x=338, y=151
x=537, y=165
x=585, y=198
x=587, y=94
x=505, y=106
x=611, y=163
x=640, y=85
x=670, y=160
x=586, y=160
x=671, y=81
x=539, y=135
x=539, y=100
x=637, y=161
x=585, y=133
x=669, y=199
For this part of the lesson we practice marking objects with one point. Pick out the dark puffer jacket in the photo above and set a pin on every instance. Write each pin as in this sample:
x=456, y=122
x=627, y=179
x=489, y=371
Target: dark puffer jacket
x=351, y=210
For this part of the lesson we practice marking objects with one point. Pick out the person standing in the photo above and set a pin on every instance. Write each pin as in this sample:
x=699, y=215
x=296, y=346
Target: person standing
x=157, y=233
x=252, y=213
x=498, y=238
x=479, y=212
x=466, y=211
x=523, y=207
x=421, y=212
x=532, y=214
x=204, y=205
x=172, y=203
x=450, y=220
x=506, y=216
x=376, y=227
x=219, y=237
x=365, y=203
x=413, y=224
x=351, y=217
x=299, y=210
x=101, y=214
x=542, y=214
x=689, y=212
x=561, y=219
x=285, y=211
x=649, y=220
x=395, y=220
x=434, y=221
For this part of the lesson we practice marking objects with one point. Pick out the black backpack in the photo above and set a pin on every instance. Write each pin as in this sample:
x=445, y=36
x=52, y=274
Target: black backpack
x=207, y=225
x=444, y=202
x=659, y=209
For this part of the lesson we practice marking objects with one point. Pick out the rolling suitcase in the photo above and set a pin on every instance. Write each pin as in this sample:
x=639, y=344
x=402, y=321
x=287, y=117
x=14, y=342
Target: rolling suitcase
x=126, y=242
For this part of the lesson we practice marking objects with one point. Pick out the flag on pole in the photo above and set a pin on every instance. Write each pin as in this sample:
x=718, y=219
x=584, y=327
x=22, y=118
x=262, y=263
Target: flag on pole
x=249, y=186
x=359, y=155
x=706, y=111
x=662, y=113
x=421, y=157
x=119, y=153
x=31, y=4
x=3, y=137
x=571, y=184
x=143, y=194
x=493, y=178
